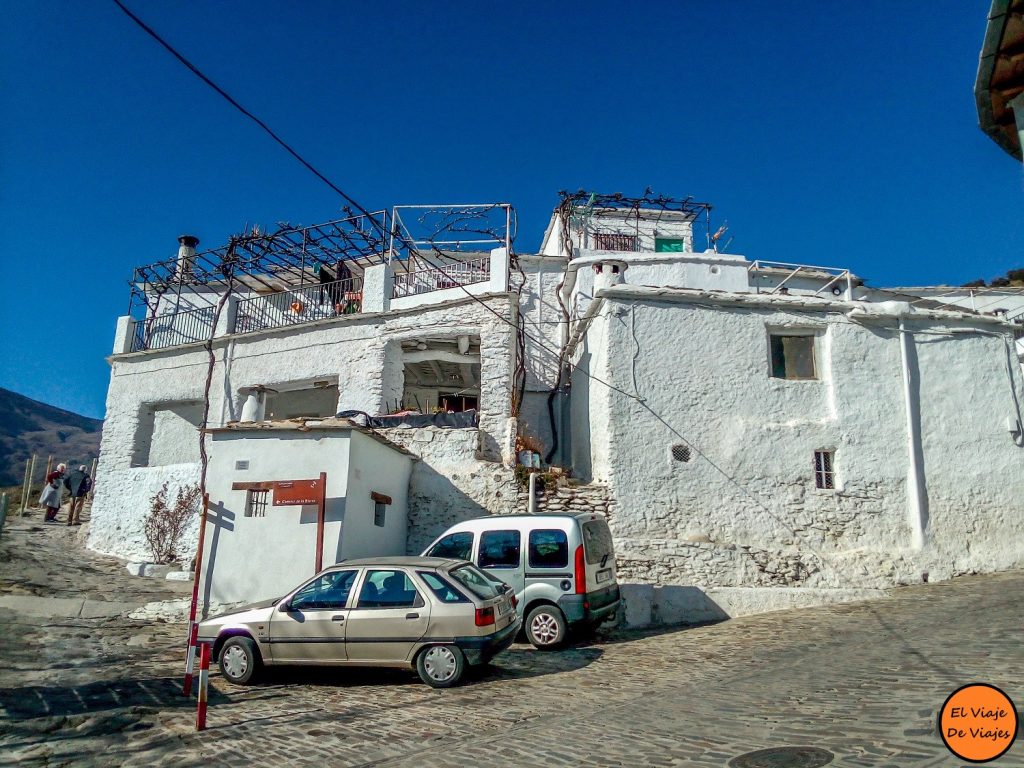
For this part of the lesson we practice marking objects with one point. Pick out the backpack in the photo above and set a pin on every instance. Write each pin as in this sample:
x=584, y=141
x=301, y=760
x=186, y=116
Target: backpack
x=86, y=485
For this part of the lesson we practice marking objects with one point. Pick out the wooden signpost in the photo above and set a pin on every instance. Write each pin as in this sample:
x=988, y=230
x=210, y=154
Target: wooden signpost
x=288, y=493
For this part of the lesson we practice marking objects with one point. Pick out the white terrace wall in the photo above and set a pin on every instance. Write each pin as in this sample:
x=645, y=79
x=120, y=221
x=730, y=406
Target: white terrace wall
x=744, y=510
x=251, y=558
x=362, y=352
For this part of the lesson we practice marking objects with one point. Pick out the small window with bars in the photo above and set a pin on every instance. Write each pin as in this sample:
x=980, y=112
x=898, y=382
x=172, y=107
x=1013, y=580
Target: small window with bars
x=379, y=510
x=824, y=469
x=256, y=503
x=613, y=241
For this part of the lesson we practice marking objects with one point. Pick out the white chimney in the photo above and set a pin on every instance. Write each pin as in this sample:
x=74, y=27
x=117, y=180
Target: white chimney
x=186, y=256
x=255, y=406
x=609, y=272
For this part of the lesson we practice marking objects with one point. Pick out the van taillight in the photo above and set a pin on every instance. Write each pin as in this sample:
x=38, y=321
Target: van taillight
x=484, y=617
x=581, y=572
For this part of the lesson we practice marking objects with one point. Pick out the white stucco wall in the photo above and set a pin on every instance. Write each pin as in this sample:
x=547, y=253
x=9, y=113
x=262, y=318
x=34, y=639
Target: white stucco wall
x=175, y=437
x=126, y=499
x=254, y=558
x=380, y=468
x=747, y=512
x=707, y=270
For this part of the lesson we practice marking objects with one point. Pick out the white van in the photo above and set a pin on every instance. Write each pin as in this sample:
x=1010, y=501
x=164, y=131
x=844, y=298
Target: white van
x=562, y=567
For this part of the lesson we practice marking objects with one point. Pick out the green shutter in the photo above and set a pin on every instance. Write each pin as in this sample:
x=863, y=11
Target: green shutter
x=669, y=245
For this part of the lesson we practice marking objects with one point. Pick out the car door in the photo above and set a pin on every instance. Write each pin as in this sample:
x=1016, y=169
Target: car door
x=309, y=626
x=500, y=554
x=388, y=619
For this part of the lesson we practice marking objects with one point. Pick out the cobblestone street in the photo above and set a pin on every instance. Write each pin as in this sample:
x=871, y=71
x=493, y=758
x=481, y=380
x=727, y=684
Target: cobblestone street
x=863, y=681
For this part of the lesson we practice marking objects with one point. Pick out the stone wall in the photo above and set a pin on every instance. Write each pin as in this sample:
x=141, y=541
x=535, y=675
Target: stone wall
x=451, y=483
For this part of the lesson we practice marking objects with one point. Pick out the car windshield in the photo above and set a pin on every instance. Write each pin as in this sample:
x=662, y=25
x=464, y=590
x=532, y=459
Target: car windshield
x=476, y=582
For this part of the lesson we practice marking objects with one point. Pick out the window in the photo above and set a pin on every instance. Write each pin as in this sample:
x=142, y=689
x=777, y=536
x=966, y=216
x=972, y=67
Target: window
x=256, y=503
x=612, y=241
x=457, y=403
x=379, y=508
x=445, y=592
x=792, y=355
x=456, y=546
x=669, y=245
x=597, y=542
x=327, y=592
x=499, y=549
x=476, y=582
x=548, y=549
x=681, y=452
x=824, y=469
x=388, y=589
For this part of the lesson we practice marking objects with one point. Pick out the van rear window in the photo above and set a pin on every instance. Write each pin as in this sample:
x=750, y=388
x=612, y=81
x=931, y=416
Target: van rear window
x=597, y=541
x=549, y=549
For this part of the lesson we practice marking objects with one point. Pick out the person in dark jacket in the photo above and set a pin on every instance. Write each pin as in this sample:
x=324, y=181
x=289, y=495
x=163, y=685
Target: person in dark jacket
x=79, y=483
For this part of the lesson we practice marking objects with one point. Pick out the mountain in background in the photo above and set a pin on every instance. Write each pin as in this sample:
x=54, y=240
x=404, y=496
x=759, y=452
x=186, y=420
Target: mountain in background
x=28, y=426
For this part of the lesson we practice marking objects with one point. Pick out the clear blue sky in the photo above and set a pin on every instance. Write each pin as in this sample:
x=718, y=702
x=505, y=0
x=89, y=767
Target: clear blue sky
x=832, y=133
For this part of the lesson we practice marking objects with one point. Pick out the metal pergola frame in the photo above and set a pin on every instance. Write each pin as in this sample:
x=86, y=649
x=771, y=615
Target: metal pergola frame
x=262, y=261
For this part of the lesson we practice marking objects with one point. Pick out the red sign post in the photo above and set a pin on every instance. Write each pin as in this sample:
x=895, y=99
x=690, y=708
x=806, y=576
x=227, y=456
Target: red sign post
x=304, y=492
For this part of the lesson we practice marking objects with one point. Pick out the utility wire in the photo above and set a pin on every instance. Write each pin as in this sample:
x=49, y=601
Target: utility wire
x=288, y=148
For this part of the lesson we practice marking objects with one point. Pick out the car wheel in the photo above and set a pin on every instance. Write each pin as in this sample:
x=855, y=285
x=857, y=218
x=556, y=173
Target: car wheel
x=546, y=627
x=441, y=666
x=238, y=660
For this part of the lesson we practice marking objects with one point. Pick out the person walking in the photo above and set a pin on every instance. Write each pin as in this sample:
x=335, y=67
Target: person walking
x=79, y=483
x=52, y=491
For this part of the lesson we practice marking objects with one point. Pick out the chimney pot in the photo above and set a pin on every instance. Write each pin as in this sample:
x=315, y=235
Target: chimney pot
x=189, y=241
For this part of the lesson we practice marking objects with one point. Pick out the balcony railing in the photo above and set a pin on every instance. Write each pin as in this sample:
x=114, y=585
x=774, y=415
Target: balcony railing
x=173, y=328
x=439, y=278
x=300, y=305
x=613, y=241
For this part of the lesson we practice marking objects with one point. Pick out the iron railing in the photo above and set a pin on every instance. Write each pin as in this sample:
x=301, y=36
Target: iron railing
x=615, y=241
x=300, y=305
x=439, y=278
x=839, y=281
x=173, y=328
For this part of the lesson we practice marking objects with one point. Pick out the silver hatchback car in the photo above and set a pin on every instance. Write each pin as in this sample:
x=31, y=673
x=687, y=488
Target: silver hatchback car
x=436, y=615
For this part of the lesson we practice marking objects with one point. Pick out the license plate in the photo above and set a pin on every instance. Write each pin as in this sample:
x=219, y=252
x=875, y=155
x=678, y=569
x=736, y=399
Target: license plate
x=604, y=575
x=504, y=607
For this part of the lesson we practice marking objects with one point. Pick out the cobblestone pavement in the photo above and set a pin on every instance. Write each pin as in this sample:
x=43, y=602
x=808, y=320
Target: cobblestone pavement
x=863, y=681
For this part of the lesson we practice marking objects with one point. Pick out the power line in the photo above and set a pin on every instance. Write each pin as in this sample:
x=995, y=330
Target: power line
x=270, y=132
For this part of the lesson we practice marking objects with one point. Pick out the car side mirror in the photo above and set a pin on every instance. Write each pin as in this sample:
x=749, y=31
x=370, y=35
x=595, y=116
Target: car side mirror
x=285, y=606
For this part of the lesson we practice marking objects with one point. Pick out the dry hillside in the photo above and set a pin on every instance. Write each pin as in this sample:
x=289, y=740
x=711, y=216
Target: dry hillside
x=28, y=427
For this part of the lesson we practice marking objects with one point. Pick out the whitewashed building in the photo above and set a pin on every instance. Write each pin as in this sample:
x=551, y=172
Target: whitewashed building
x=761, y=434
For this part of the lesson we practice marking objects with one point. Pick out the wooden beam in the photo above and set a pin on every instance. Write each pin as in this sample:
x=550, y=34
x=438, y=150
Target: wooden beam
x=260, y=485
x=436, y=370
x=380, y=498
x=418, y=356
